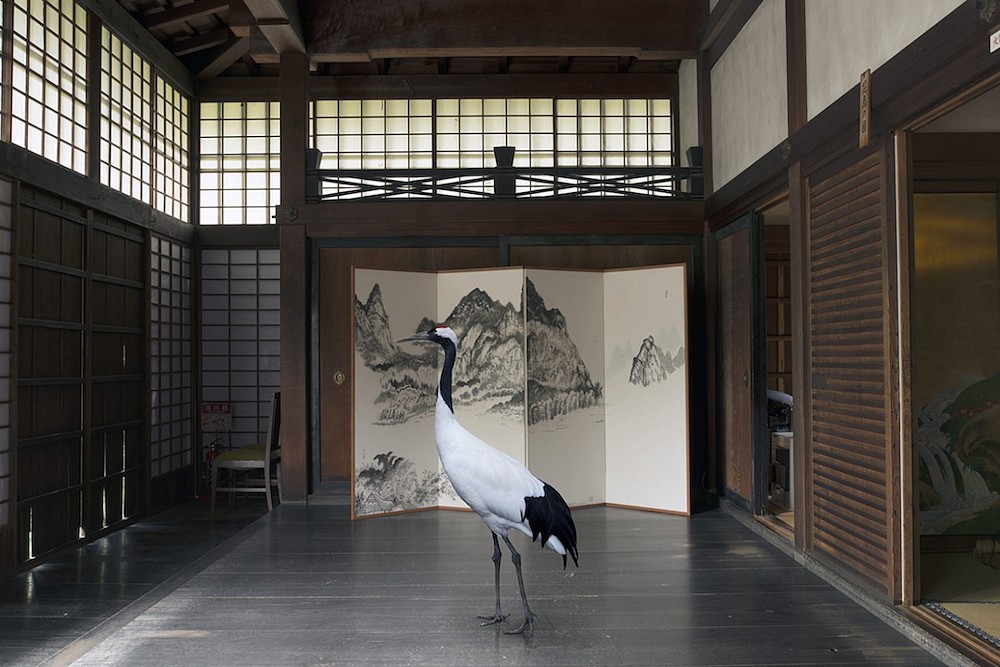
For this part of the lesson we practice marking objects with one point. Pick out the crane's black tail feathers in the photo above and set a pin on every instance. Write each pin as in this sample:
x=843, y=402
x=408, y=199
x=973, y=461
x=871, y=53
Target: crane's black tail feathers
x=549, y=515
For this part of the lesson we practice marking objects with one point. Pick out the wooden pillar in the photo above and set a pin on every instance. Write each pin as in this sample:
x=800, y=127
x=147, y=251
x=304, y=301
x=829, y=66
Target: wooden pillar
x=292, y=94
x=798, y=236
x=704, y=74
x=795, y=58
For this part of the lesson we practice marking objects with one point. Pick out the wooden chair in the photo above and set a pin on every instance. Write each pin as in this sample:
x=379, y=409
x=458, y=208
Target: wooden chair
x=263, y=456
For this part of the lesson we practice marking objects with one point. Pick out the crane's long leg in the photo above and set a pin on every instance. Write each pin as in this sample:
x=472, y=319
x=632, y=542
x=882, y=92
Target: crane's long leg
x=529, y=618
x=497, y=555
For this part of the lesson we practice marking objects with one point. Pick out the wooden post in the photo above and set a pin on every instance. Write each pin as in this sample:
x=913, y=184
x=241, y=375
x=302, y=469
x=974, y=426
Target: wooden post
x=294, y=73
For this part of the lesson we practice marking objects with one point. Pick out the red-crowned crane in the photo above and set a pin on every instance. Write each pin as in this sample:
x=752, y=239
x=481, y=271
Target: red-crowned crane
x=502, y=492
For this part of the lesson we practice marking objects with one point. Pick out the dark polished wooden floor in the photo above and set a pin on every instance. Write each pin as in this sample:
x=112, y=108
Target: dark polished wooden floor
x=306, y=586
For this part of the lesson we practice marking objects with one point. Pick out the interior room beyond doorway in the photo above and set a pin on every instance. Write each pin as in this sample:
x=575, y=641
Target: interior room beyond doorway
x=955, y=350
x=778, y=351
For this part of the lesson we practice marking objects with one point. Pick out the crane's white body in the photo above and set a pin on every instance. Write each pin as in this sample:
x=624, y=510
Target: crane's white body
x=492, y=483
x=501, y=490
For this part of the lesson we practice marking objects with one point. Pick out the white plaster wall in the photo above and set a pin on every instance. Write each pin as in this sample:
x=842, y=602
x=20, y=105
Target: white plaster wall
x=688, y=108
x=846, y=37
x=749, y=94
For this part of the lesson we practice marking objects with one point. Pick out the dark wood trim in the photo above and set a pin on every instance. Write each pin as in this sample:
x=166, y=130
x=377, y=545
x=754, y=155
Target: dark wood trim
x=795, y=62
x=294, y=91
x=798, y=195
x=705, y=120
x=9, y=533
x=909, y=469
x=34, y=170
x=890, y=295
x=295, y=363
x=429, y=86
x=250, y=88
x=498, y=218
x=720, y=16
x=236, y=236
x=971, y=159
x=194, y=163
x=147, y=371
x=87, y=382
x=734, y=14
x=197, y=354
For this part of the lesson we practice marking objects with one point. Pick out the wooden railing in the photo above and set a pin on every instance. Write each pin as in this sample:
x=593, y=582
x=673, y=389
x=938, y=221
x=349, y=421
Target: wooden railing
x=681, y=183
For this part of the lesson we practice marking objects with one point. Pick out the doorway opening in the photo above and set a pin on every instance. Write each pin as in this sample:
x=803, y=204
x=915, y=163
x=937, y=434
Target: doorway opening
x=777, y=348
x=954, y=392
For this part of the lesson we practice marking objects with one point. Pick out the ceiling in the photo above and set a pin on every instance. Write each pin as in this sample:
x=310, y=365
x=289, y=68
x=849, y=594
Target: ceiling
x=231, y=38
x=977, y=115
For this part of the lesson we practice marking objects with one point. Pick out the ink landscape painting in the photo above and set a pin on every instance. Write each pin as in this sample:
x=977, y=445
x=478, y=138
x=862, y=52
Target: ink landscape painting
x=537, y=376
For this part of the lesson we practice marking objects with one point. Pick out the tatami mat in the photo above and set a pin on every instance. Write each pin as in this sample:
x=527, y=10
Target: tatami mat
x=983, y=615
x=958, y=577
x=960, y=587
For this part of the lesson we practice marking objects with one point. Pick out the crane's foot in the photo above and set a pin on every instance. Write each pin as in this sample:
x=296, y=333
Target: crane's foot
x=525, y=628
x=492, y=620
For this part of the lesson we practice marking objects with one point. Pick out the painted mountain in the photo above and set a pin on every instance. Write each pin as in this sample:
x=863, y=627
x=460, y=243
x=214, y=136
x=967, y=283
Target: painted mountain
x=653, y=364
x=489, y=366
x=558, y=380
x=408, y=380
x=490, y=362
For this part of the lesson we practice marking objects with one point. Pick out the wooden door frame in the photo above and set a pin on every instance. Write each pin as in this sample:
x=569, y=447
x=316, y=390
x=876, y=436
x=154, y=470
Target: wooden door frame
x=751, y=221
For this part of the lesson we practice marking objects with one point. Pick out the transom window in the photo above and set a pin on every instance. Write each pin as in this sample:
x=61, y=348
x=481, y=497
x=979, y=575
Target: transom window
x=374, y=134
x=461, y=132
x=240, y=165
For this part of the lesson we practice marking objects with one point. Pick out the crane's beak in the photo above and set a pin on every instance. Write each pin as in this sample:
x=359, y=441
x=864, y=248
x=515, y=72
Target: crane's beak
x=419, y=336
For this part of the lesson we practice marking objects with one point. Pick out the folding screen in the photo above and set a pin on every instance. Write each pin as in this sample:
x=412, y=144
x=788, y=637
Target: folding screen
x=394, y=468
x=646, y=416
x=581, y=375
x=565, y=348
x=484, y=309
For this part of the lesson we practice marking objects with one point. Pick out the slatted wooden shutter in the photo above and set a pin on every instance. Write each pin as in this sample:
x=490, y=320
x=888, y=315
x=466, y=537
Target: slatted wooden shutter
x=81, y=329
x=850, y=352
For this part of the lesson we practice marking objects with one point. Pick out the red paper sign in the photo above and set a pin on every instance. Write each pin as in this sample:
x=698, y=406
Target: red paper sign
x=216, y=416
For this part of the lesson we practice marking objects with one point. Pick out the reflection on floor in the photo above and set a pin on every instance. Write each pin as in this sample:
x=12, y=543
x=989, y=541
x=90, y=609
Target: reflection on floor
x=305, y=585
x=57, y=610
x=964, y=588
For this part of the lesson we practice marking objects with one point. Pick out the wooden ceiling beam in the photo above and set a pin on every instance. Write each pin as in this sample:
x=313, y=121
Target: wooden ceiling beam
x=195, y=43
x=219, y=59
x=651, y=29
x=392, y=86
x=279, y=21
x=241, y=20
x=183, y=13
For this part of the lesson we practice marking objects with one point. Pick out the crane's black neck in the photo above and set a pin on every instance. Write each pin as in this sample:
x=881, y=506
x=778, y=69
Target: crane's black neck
x=444, y=388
